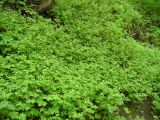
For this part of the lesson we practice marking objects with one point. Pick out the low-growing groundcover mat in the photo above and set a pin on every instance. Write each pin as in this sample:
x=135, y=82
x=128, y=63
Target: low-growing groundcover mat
x=84, y=65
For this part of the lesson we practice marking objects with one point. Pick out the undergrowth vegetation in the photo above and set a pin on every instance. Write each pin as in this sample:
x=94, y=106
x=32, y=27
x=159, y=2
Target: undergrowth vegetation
x=94, y=61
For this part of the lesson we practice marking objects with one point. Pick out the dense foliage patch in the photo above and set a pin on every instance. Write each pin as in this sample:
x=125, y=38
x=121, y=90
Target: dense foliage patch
x=148, y=29
x=87, y=64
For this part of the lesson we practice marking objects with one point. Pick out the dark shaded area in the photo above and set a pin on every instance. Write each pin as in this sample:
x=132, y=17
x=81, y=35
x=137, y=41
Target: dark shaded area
x=26, y=7
x=142, y=109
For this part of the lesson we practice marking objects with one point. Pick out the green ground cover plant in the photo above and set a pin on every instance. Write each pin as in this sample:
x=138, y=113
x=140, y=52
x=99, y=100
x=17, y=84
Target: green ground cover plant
x=148, y=29
x=86, y=64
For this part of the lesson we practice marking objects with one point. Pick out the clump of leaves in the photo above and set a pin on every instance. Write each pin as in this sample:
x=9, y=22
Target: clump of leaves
x=148, y=29
x=84, y=66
